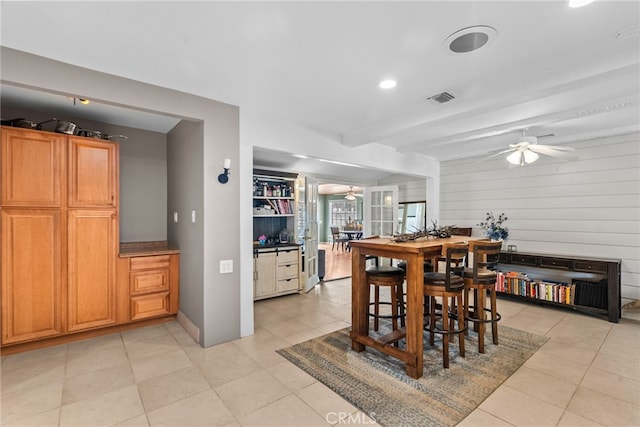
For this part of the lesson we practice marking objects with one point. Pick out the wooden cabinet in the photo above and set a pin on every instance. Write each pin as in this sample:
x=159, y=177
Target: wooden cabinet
x=92, y=253
x=93, y=179
x=593, y=283
x=149, y=284
x=32, y=168
x=276, y=271
x=59, y=240
x=264, y=273
x=31, y=274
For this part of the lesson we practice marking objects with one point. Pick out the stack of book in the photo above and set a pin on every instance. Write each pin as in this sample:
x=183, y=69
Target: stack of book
x=518, y=283
x=281, y=206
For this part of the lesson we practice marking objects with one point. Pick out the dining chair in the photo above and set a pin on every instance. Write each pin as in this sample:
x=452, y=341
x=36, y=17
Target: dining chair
x=339, y=240
x=480, y=278
x=449, y=287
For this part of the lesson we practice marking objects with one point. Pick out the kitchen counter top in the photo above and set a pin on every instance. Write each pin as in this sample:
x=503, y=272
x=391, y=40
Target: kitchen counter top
x=131, y=249
x=257, y=245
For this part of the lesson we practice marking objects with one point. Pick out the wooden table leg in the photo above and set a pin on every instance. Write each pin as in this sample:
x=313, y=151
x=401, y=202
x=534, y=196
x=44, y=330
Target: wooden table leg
x=359, y=298
x=415, y=313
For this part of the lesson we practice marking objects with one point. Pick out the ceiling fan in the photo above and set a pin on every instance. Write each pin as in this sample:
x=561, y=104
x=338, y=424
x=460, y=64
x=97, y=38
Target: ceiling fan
x=525, y=150
x=351, y=195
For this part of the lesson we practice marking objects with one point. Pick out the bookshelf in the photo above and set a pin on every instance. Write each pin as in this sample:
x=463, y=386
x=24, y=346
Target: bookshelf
x=274, y=204
x=587, y=285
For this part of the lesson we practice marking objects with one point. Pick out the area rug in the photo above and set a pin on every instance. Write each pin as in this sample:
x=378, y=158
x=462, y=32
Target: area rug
x=377, y=385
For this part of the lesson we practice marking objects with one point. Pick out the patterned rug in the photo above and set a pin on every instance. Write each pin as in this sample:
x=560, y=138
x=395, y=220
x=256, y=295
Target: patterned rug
x=377, y=385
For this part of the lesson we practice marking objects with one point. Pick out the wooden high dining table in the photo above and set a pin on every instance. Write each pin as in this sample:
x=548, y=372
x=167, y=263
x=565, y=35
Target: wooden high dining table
x=414, y=253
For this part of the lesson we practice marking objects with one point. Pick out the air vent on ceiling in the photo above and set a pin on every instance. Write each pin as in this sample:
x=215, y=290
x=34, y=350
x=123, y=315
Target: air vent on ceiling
x=442, y=97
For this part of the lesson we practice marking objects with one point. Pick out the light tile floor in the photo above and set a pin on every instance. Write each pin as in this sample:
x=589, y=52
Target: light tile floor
x=587, y=374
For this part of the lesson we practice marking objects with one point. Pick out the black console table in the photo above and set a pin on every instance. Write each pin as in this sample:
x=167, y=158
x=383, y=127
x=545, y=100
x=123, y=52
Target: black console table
x=563, y=268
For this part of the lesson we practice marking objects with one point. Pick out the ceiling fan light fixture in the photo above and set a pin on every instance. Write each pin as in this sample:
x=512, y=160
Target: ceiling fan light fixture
x=350, y=197
x=515, y=158
x=530, y=156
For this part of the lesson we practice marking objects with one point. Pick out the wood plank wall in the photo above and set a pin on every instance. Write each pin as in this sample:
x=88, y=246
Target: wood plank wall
x=587, y=207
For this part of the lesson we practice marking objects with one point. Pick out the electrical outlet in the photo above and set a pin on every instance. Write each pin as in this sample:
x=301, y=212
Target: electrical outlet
x=175, y=217
x=193, y=216
x=226, y=266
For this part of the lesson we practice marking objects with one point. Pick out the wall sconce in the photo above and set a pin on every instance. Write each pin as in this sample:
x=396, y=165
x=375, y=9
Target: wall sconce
x=223, y=178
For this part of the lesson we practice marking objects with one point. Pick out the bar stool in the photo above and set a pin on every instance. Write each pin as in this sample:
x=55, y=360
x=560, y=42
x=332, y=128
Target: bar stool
x=448, y=285
x=393, y=278
x=480, y=278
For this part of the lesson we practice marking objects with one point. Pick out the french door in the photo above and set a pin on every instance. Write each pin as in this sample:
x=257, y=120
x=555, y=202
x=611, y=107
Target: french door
x=310, y=222
x=380, y=211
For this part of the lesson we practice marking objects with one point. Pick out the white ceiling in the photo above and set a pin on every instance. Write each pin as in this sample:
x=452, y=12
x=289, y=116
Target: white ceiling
x=552, y=69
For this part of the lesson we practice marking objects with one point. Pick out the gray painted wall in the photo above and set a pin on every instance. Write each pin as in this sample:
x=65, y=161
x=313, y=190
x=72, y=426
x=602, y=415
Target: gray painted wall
x=184, y=184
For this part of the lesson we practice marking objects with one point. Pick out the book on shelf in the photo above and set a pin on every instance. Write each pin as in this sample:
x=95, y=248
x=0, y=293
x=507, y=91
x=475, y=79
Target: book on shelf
x=518, y=283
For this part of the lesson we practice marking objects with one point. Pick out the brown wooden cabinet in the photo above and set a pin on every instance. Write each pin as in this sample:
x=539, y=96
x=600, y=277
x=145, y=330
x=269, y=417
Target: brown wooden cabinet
x=32, y=168
x=590, y=274
x=31, y=274
x=59, y=241
x=93, y=177
x=148, y=277
x=91, y=279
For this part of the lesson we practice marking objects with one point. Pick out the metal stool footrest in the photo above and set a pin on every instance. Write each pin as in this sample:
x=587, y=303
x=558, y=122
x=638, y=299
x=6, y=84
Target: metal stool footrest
x=488, y=320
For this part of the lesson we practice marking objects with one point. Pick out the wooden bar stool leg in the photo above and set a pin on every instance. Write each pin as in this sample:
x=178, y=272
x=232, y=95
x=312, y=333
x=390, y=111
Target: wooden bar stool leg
x=494, y=316
x=393, y=295
x=445, y=329
x=376, y=310
x=466, y=310
x=475, y=310
x=432, y=321
x=400, y=301
x=460, y=324
x=480, y=304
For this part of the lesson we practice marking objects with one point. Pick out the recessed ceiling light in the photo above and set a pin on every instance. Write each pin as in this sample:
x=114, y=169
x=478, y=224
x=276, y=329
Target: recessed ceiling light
x=387, y=84
x=470, y=39
x=579, y=3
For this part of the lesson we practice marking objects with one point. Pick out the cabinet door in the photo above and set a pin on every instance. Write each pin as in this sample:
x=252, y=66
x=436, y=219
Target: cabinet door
x=92, y=250
x=32, y=164
x=93, y=176
x=31, y=274
x=264, y=274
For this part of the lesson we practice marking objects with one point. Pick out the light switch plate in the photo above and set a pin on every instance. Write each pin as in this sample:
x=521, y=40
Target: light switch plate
x=226, y=266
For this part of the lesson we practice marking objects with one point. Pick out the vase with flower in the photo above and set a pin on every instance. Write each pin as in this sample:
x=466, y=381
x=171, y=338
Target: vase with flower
x=493, y=227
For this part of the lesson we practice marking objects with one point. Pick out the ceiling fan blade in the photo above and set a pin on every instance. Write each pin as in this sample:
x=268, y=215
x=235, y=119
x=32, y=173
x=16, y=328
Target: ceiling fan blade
x=554, y=147
x=494, y=155
x=551, y=151
x=509, y=150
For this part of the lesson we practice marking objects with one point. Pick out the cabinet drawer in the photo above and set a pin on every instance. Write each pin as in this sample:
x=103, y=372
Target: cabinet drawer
x=287, y=256
x=287, y=270
x=592, y=266
x=523, y=259
x=151, y=305
x=148, y=281
x=149, y=262
x=561, y=264
x=290, y=284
